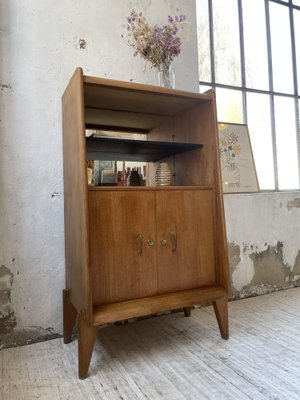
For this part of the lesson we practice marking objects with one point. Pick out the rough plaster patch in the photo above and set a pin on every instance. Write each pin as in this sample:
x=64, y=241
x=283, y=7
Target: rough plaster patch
x=260, y=290
x=7, y=315
x=4, y=86
x=55, y=194
x=270, y=267
x=82, y=44
x=295, y=203
x=271, y=273
x=24, y=336
x=257, y=219
x=296, y=268
x=233, y=255
x=243, y=273
x=10, y=335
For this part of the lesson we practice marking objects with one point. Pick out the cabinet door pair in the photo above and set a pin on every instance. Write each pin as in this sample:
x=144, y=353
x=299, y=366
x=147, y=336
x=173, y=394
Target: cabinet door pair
x=144, y=243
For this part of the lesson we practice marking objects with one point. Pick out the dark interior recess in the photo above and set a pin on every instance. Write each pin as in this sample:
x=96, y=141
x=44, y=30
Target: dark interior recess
x=113, y=149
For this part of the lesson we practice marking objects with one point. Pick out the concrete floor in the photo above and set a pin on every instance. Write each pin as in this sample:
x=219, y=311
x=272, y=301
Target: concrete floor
x=171, y=357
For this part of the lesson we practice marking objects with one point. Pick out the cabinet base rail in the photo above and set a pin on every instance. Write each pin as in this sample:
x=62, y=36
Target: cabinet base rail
x=109, y=313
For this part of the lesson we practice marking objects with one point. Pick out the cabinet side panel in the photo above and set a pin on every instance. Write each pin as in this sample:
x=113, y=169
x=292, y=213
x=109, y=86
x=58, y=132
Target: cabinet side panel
x=221, y=250
x=202, y=167
x=75, y=194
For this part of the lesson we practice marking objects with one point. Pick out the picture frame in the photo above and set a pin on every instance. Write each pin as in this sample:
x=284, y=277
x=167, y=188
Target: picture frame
x=236, y=158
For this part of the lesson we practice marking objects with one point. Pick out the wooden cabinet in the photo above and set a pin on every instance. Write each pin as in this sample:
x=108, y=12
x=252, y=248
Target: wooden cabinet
x=133, y=251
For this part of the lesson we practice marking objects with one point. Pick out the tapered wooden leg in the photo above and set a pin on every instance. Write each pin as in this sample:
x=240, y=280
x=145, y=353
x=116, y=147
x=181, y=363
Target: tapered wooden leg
x=69, y=316
x=86, y=340
x=187, y=311
x=221, y=311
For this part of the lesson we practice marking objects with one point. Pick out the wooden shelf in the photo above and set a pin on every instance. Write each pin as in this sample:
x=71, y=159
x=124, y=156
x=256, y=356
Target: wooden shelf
x=107, y=313
x=112, y=149
x=133, y=107
x=111, y=95
x=146, y=188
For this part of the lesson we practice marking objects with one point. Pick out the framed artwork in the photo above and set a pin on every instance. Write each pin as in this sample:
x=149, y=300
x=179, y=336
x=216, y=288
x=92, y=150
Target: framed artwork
x=237, y=163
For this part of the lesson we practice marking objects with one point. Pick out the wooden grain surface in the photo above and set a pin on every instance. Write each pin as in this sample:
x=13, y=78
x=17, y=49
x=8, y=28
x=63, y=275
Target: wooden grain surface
x=118, y=271
x=75, y=195
x=223, y=270
x=118, y=216
x=188, y=215
x=171, y=357
x=128, y=96
x=150, y=305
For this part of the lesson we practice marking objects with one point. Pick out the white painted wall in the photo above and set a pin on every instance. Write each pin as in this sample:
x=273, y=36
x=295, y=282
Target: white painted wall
x=39, y=50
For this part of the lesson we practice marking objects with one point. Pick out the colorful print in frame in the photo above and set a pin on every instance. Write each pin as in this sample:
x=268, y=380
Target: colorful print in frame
x=237, y=163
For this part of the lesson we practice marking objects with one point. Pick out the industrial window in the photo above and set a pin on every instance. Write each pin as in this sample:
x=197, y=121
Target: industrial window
x=249, y=52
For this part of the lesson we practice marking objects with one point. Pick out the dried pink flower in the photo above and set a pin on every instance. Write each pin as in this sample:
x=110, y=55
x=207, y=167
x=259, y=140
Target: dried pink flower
x=157, y=44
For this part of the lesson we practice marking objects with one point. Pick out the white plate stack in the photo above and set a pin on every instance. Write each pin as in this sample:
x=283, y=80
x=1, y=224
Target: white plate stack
x=163, y=175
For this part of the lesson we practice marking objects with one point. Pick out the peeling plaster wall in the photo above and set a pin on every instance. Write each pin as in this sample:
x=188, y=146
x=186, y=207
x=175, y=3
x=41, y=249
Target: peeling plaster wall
x=263, y=233
x=41, y=44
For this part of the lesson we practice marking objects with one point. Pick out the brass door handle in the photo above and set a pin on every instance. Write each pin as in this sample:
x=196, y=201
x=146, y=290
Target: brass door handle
x=174, y=241
x=140, y=243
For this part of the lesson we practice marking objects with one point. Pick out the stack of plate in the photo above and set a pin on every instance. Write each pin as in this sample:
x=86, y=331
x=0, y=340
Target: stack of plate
x=164, y=175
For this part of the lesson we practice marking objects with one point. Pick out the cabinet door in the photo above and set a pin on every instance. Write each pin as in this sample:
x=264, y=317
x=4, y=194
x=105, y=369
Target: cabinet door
x=123, y=262
x=185, y=239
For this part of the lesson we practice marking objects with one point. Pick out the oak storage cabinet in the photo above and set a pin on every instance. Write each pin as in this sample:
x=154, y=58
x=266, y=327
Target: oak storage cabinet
x=133, y=251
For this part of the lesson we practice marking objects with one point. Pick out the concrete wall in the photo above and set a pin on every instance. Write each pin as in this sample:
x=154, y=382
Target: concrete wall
x=41, y=43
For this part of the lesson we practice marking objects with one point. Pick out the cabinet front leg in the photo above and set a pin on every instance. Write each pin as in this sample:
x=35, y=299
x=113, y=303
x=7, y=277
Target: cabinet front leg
x=69, y=316
x=221, y=311
x=86, y=340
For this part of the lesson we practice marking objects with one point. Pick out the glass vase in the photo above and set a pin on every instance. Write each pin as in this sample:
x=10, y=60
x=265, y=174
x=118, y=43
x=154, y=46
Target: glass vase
x=166, y=78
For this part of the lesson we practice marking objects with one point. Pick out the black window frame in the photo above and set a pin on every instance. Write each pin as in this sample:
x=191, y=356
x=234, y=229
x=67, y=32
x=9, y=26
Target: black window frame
x=271, y=93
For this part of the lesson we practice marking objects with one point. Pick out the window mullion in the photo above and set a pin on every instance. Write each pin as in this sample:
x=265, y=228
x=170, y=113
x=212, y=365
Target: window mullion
x=212, y=44
x=294, y=60
x=271, y=88
x=242, y=57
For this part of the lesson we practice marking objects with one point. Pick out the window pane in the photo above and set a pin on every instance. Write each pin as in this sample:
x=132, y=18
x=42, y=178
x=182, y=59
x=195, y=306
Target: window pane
x=281, y=48
x=226, y=42
x=286, y=143
x=297, y=37
x=256, y=54
x=229, y=105
x=204, y=88
x=296, y=2
x=259, y=123
x=203, y=41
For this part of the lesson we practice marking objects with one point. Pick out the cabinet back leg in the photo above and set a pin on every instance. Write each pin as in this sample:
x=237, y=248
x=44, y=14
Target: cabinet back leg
x=86, y=340
x=187, y=311
x=221, y=311
x=69, y=316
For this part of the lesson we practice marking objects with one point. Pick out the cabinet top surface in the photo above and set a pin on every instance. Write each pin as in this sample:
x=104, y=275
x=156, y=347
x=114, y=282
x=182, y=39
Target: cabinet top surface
x=127, y=96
